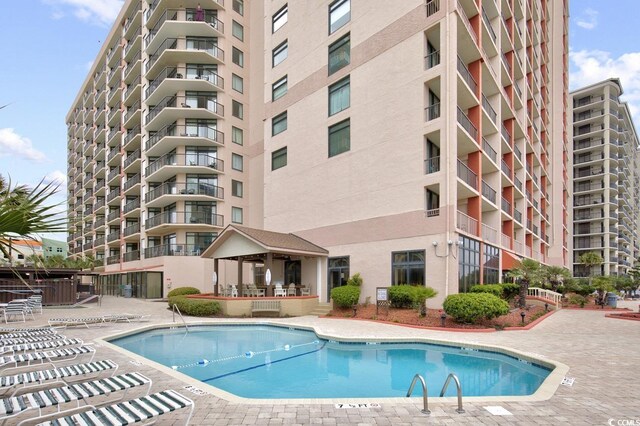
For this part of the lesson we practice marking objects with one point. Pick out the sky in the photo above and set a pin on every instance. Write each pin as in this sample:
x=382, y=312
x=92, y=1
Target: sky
x=47, y=48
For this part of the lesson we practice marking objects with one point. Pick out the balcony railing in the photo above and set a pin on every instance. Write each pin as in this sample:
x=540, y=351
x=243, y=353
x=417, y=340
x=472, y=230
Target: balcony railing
x=174, y=188
x=112, y=260
x=432, y=112
x=187, y=74
x=131, y=205
x=517, y=183
x=487, y=22
x=506, y=206
x=489, y=109
x=202, y=160
x=517, y=215
x=432, y=60
x=132, y=181
x=208, y=46
x=467, y=124
x=505, y=134
x=466, y=75
x=113, y=215
x=183, y=218
x=173, y=250
x=488, y=149
x=506, y=240
x=131, y=256
x=131, y=229
x=176, y=15
x=488, y=192
x=188, y=131
x=432, y=165
x=467, y=224
x=112, y=236
x=433, y=6
x=489, y=233
x=207, y=102
x=467, y=175
x=505, y=168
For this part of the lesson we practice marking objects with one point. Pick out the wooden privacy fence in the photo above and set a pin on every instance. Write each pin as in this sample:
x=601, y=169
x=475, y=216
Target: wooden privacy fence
x=62, y=291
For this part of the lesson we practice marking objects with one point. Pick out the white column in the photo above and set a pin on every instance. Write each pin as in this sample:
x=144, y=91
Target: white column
x=321, y=296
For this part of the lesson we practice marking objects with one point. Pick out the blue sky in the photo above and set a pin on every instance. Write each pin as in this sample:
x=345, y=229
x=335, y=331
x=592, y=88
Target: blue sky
x=47, y=47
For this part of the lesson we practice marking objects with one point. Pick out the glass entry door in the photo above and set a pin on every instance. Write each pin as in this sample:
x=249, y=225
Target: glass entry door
x=337, y=273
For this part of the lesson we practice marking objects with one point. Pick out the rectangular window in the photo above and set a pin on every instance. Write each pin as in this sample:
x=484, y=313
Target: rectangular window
x=468, y=264
x=237, y=83
x=340, y=54
x=280, y=53
x=279, y=19
x=237, y=109
x=407, y=267
x=236, y=188
x=237, y=135
x=279, y=158
x=237, y=162
x=279, y=123
x=236, y=215
x=237, y=30
x=279, y=88
x=339, y=96
x=340, y=137
x=237, y=57
x=238, y=6
x=491, y=265
x=339, y=14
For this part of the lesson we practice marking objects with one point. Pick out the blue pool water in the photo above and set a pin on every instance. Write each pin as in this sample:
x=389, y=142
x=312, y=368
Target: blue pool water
x=277, y=362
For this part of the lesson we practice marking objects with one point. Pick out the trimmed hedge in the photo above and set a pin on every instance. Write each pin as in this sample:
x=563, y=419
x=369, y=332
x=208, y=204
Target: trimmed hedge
x=183, y=291
x=405, y=296
x=195, y=307
x=495, y=289
x=473, y=307
x=510, y=290
x=345, y=296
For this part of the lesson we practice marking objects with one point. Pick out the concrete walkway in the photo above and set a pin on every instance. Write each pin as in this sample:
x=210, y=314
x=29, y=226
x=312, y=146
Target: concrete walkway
x=603, y=355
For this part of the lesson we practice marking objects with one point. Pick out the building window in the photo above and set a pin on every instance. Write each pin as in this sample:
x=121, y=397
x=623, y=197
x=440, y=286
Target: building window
x=407, y=267
x=237, y=30
x=279, y=123
x=237, y=135
x=279, y=54
x=468, y=264
x=279, y=19
x=236, y=188
x=339, y=137
x=238, y=6
x=237, y=109
x=339, y=14
x=279, y=158
x=340, y=54
x=237, y=83
x=236, y=162
x=490, y=265
x=236, y=215
x=339, y=96
x=237, y=57
x=59, y=250
x=279, y=88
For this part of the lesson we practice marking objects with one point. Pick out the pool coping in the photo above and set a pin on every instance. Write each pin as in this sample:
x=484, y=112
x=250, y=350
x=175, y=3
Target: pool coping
x=544, y=392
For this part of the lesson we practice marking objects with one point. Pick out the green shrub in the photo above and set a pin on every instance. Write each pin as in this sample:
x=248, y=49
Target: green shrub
x=495, y=289
x=183, y=291
x=345, y=296
x=576, y=299
x=409, y=296
x=355, y=280
x=509, y=290
x=195, y=307
x=473, y=307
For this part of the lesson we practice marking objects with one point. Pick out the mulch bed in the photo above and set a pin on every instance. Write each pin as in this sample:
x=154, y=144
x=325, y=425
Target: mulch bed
x=432, y=319
x=634, y=316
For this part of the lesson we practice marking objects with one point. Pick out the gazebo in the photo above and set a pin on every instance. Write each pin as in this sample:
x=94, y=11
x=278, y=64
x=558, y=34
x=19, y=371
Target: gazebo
x=272, y=249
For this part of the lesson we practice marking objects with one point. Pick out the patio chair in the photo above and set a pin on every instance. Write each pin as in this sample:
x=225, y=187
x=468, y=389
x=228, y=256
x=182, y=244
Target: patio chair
x=305, y=291
x=15, y=309
x=35, y=303
x=234, y=290
x=128, y=412
x=279, y=291
x=291, y=291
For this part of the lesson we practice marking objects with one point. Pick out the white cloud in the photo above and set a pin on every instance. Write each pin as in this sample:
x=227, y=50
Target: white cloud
x=588, y=20
x=15, y=145
x=100, y=12
x=88, y=65
x=56, y=176
x=592, y=66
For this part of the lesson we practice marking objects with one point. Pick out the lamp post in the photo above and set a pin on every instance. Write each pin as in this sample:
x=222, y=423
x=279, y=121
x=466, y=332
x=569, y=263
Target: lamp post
x=443, y=318
x=522, y=315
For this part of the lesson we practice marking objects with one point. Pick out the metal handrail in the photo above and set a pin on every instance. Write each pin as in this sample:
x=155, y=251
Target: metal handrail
x=425, y=396
x=459, y=410
x=175, y=308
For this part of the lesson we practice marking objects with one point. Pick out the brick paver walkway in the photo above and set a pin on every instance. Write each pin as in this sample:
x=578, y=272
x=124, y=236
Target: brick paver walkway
x=603, y=355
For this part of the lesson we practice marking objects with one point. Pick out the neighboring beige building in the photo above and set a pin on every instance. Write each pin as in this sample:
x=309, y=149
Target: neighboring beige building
x=422, y=143
x=606, y=179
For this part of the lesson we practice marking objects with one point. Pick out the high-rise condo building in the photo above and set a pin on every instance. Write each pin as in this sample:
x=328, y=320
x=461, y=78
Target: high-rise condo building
x=418, y=142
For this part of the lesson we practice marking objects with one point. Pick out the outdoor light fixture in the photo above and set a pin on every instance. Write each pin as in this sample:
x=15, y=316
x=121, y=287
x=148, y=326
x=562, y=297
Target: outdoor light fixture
x=522, y=314
x=443, y=317
x=546, y=307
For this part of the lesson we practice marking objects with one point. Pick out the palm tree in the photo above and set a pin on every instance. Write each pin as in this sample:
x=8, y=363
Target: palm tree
x=555, y=275
x=589, y=260
x=526, y=273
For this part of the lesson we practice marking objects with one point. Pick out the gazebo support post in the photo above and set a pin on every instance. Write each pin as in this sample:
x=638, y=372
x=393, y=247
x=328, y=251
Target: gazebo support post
x=240, y=285
x=268, y=264
x=217, y=286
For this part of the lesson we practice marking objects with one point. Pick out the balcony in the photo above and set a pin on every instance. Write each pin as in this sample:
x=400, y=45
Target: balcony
x=131, y=256
x=488, y=149
x=113, y=194
x=112, y=260
x=433, y=6
x=131, y=158
x=588, y=158
x=113, y=236
x=489, y=234
x=432, y=112
x=180, y=50
x=131, y=206
x=173, y=136
x=432, y=165
x=173, y=191
x=489, y=110
x=176, y=22
x=170, y=164
x=506, y=169
x=114, y=215
x=194, y=219
x=466, y=76
x=173, y=108
x=467, y=175
x=467, y=124
x=505, y=134
x=132, y=182
x=432, y=60
x=466, y=223
x=173, y=250
x=506, y=206
x=488, y=192
x=174, y=79
x=131, y=230
x=517, y=215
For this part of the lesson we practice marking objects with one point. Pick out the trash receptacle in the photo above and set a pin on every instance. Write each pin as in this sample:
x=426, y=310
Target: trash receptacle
x=126, y=291
x=612, y=300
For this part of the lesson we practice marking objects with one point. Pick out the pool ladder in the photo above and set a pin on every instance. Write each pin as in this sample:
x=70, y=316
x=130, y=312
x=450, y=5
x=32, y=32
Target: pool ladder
x=425, y=396
x=174, y=309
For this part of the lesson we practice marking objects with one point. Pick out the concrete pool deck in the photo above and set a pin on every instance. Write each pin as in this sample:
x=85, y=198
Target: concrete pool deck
x=603, y=356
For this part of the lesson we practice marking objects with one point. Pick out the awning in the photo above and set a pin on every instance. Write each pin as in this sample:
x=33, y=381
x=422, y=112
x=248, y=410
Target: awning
x=510, y=260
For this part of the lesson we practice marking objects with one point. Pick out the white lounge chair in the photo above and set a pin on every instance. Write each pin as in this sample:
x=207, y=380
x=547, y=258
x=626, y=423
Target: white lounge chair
x=34, y=303
x=305, y=291
x=128, y=412
x=26, y=332
x=20, y=382
x=40, y=346
x=68, y=322
x=15, y=309
x=34, y=339
x=14, y=406
x=124, y=317
x=31, y=358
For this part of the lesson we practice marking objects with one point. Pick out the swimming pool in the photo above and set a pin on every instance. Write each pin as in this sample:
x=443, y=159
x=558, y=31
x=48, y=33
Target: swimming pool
x=263, y=361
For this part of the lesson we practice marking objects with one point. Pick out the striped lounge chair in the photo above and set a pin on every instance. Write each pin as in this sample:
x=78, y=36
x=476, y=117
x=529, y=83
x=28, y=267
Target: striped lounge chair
x=129, y=412
x=40, y=346
x=78, y=392
x=124, y=317
x=9, y=333
x=68, y=322
x=20, y=340
x=22, y=381
x=31, y=358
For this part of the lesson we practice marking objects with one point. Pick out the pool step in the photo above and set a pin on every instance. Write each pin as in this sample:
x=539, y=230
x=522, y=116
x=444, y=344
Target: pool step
x=322, y=309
